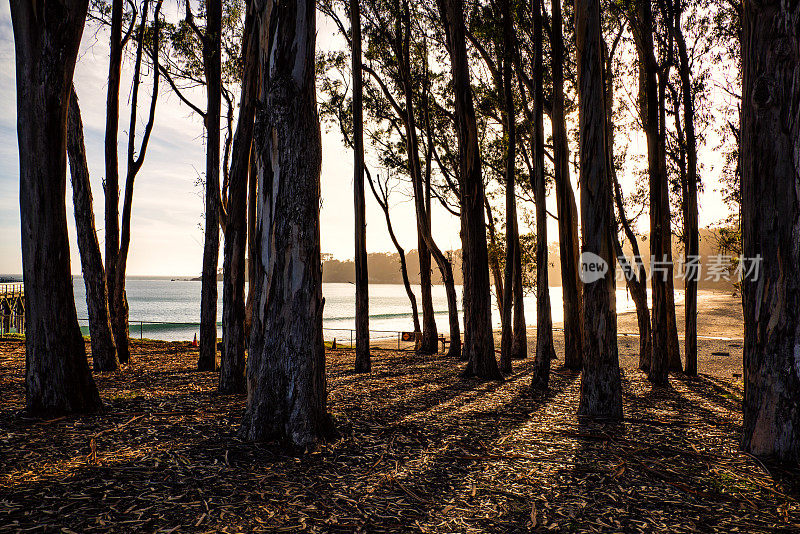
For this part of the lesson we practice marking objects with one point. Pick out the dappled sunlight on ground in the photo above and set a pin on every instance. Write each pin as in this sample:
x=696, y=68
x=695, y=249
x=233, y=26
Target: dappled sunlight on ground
x=421, y=449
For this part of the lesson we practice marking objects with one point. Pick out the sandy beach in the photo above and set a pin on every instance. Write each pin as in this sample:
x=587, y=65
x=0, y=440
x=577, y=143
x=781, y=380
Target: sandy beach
x=720, y=331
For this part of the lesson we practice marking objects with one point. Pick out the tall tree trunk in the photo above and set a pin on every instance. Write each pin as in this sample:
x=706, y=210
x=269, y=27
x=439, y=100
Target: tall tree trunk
x=691, y=226
x=430, y=336
x=104, y=350
x=673, y=345
x=445, y=265
x=287, y=390
x=57, y=377
x=510, y=127
x=635, y=274
x=478, y=338
x=118, y=312
x=383, y=202
x=252, y=205
x=118, y=301
x=212, y=65
x=544, y=320
x=111, y=182
x=421, y=196
x=494, y=262
x=674, y=356
x=363, y=363
x=567, y=210
x=519, y=345
x=635, y=279
x=659, y=234
x=232, y=362
x=770, y=146
x=601, y=395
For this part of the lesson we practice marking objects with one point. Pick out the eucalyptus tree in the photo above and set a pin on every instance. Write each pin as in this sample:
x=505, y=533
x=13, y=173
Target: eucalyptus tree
x=400, y=43
x=478, y=339
x=510, y=176
x=690, y=26
x=212, y=65
x=104, y=350
x=118, y=228
x=335, y=108
x=496, y=46
x=568, y=243
x=46, y=40
x=544, y=321
x=601, y=394
x=111, y=181
x=653, y=77
x=363, y=363
x=287, y=390
x=234, y=330
x=205, y=50
x=396, y=67
x=770, y=144
x=633, y=270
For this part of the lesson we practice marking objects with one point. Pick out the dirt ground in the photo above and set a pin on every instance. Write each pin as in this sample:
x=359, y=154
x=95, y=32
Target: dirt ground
x=421, y=450
x=720, y=331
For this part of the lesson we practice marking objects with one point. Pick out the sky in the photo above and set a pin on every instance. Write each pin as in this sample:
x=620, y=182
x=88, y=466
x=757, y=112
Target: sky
x=167, y=237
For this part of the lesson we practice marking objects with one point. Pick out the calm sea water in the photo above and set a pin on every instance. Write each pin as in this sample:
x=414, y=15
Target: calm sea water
x=170, y=310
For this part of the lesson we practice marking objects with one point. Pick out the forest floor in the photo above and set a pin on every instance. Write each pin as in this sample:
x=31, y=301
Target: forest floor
x=421, y=449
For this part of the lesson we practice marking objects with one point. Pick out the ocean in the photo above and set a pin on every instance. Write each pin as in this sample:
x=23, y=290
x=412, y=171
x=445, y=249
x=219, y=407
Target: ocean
x=170, y=310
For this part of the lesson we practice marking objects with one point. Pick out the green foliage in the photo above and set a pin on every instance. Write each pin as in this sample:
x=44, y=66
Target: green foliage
x=183, y=47
x=728, y=242
x=497, y=252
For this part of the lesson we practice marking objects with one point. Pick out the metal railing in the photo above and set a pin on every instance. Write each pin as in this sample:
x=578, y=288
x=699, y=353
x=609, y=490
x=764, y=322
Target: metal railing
x=12, y=323
x=132, y=323
x=11, y=289
x=347, y=340
x=12, y=308
x=387, y=337
x=337, y=338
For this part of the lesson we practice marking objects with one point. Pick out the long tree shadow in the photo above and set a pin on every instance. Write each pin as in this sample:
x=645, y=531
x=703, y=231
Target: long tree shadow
x=428, y=451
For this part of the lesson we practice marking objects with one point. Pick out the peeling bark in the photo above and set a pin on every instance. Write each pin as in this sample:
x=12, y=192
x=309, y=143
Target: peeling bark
x=770, y=163
x=287, y=390
x=252, y=213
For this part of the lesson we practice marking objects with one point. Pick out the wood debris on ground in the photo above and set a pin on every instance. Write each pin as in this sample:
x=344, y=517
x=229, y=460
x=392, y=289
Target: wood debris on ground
x=421, y=449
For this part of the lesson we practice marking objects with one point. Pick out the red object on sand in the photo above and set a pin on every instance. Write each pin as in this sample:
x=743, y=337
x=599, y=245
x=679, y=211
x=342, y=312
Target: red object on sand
x=194, y=341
